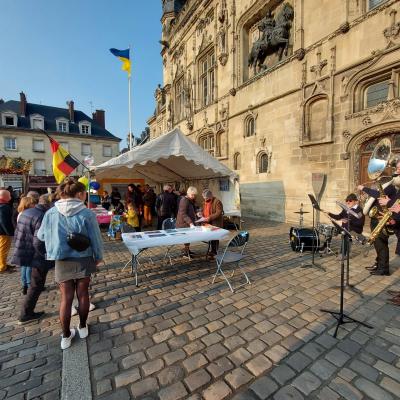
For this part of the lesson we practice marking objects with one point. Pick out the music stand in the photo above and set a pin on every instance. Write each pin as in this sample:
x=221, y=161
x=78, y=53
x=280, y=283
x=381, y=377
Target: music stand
x=340, y=316
x=348, y=242
x=315, y=206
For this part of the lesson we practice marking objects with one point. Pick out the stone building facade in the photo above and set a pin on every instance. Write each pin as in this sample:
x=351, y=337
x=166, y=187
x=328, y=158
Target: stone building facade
x=280, y=90
x=23, y=129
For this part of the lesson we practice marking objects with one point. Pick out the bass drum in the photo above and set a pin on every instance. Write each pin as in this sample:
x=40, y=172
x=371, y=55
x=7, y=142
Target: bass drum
x=303, y=239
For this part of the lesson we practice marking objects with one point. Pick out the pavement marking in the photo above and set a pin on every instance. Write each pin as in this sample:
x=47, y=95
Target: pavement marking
x=76, y=383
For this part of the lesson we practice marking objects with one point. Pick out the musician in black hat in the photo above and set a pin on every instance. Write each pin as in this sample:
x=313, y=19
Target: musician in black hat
x=350, y=221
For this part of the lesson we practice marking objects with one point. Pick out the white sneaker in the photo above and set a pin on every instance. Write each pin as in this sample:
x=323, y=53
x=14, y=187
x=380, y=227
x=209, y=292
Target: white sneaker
x=74, y=310
x=83, y=332
x=66, y=342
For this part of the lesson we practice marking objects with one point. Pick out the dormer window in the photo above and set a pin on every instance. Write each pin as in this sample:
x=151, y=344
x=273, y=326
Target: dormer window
x=85, y=128
x=62, y=125
x=37, y=122
x=9, y=118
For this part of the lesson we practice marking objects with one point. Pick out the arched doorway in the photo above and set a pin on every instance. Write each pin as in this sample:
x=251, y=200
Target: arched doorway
x=360, y=147
x=366, y=150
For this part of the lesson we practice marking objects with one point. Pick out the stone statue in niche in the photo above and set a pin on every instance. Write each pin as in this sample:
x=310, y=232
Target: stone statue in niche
x=222, y=39
x=275, y=35
x=188, y=102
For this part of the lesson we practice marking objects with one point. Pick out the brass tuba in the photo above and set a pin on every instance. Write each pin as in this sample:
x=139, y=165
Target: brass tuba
x=380, y=158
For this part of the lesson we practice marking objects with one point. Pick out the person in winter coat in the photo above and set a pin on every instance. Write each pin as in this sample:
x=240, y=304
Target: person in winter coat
x=187, y=215
x=25, y=270
x=149, y=199
x=31, y=252
x=165, y=205
x=6, y=229
x=72, y=267
x=115, y=196
x=213, y=213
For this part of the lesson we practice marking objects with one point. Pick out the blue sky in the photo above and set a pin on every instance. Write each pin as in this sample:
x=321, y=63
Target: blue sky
x=57, y=50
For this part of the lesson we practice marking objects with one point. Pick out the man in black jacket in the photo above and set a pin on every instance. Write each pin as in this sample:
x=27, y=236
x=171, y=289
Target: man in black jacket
x=165, y=205
x=30, y=251
x=6, y=229
x=350, y=222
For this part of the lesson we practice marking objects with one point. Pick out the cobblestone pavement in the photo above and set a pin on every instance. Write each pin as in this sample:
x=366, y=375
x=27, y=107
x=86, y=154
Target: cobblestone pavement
x=177, y=336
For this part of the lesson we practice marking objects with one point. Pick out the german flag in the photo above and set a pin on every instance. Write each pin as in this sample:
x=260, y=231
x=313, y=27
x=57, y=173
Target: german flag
x=63, y=162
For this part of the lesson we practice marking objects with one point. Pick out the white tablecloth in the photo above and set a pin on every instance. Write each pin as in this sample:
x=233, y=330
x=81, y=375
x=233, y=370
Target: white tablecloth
x=142, y=240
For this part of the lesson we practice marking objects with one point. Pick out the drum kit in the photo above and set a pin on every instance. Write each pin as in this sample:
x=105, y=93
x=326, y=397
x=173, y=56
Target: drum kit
x=308, y=239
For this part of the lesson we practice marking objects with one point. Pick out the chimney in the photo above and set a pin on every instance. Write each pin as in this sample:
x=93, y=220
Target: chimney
x=71, y=110
x=99, y=118
x=22, y=104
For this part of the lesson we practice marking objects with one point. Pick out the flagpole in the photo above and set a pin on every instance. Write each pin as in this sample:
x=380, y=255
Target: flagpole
x=129, y=104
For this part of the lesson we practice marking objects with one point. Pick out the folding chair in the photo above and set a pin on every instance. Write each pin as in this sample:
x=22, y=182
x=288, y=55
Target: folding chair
x=125, y=228
x=233, y=254
x=169, y=223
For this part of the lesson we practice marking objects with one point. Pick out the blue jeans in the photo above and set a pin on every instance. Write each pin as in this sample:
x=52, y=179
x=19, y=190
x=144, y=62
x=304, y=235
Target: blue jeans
x=26, y=276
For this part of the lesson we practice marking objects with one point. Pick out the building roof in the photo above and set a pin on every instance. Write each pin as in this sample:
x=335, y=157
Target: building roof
x=51, y=114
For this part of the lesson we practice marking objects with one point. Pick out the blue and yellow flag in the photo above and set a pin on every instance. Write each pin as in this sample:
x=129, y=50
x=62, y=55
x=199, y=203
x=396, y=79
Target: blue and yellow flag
x=123, y=55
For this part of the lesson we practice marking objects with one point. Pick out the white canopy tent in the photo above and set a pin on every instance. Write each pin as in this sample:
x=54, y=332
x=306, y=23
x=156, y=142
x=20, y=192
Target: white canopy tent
x=174, y=158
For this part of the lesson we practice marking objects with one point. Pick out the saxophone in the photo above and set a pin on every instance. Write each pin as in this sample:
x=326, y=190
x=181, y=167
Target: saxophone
x=381, y=225
x=374, y=211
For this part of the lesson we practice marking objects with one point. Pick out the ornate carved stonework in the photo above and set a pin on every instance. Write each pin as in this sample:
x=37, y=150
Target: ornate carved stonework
x=389, y=108
x=300, y=54
x=367, y=120
x=223, y=59
x=319, y=67
x=392, y=33
x=275, y=34
x=346, y=134
x=344, y=28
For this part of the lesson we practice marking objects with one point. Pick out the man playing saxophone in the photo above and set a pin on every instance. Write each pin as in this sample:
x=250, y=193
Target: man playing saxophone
x=381, y=241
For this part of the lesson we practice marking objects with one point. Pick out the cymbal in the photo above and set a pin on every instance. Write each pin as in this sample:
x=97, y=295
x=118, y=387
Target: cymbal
x=302, y=212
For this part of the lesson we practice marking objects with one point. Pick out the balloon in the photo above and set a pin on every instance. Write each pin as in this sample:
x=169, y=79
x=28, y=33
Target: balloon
x=94, y=185
x=85, y=181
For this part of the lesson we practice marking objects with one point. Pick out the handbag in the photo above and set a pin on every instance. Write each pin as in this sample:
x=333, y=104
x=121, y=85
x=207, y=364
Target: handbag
x=77, y=241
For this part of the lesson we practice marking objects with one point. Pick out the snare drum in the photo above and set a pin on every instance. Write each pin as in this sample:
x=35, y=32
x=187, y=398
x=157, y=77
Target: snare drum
x=303, y=239
x=327, y=230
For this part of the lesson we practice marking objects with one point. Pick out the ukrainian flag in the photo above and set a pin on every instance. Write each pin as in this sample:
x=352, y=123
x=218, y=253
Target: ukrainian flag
x=123, y=55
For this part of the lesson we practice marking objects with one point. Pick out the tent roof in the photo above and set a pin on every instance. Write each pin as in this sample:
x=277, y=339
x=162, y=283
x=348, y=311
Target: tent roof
x=169, y=157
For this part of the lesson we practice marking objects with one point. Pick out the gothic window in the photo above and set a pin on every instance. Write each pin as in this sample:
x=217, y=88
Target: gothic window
x=250, y=127
x=316, y=119
x=376, y=93
x=207, y=78
x=236, y=161
x=374, y=3
x=207, y=142
x=179, y=99
x=262, y=163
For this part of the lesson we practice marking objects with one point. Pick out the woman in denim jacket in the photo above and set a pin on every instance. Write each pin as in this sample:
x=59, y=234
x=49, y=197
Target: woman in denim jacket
x=72, y=267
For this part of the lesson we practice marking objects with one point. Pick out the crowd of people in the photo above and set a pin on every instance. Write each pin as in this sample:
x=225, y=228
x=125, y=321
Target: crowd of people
x=58, y=231
x=140, y=206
